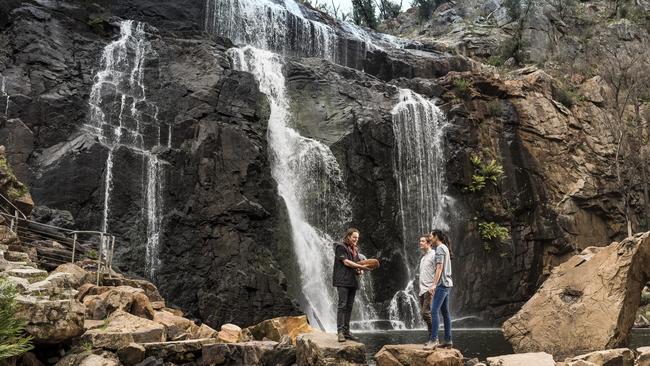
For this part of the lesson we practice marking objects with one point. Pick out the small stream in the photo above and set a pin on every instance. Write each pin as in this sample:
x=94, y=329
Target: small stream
x=476, y=342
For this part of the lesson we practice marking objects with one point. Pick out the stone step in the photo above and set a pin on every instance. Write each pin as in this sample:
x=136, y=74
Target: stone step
x=13, y=256
x=31, y=274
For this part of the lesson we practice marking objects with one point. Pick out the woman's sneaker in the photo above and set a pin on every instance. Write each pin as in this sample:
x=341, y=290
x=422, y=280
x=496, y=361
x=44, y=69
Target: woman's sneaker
x=341, y=337
x=430, y=345
x=449, y=344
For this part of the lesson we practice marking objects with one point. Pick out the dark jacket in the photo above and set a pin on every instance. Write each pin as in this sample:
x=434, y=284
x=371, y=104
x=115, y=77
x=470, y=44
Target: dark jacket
x=343, y=275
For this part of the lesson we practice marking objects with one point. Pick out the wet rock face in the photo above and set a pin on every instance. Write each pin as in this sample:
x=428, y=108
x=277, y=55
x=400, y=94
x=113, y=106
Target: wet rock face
x=218, y=198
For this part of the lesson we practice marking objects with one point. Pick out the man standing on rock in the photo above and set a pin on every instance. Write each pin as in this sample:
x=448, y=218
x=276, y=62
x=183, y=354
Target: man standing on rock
x=427, y=274
x=440, y=289
x=345, y=280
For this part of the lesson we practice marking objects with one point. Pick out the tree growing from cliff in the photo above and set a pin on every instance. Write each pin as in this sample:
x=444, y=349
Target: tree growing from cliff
x=12, y=341
x=388, y=9
x=624, y=67
x=363, y=13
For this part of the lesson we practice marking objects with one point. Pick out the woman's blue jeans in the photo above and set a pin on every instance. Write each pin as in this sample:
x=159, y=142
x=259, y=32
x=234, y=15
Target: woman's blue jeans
x=440, y=303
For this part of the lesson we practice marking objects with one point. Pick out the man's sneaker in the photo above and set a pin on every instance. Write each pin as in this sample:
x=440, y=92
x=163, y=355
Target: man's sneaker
x=341, y=337
x=430, y=345
x=350, y=337
x=449, y=344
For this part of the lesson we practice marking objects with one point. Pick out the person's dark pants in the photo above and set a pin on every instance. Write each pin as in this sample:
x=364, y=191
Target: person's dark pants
x=344, y=308
x=425, y=307
x=440, y=303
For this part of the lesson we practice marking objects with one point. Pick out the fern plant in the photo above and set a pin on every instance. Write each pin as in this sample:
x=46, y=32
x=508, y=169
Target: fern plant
x=491, y=231
x=484, y=173
x=13, y=342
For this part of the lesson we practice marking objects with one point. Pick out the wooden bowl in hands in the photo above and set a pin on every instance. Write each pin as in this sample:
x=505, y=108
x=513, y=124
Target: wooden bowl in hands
x=370, y=263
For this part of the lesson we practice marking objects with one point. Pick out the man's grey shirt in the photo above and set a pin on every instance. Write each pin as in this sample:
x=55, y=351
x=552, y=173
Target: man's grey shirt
x=442, y=256
x=427, y=271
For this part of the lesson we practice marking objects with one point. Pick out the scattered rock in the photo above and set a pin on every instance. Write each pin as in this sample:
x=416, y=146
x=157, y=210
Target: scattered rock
x=588, y=303
x=51, y=321
x=275, y=328
x=78, y=276
x=205, y=331
x=415, y=354
x=131, y=354
x=528, y=359
x=89, y=359
x=251, y=353
x=122, y=329
x=229, y=333
x=178, y=351
x=618, y=356
x=643, y=358
x=323, y=349
x=126, y=298
x=175, y=326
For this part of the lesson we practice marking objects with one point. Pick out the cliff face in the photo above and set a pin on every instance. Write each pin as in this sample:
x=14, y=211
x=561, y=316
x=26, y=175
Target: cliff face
x=224, y=252
x=218, y=199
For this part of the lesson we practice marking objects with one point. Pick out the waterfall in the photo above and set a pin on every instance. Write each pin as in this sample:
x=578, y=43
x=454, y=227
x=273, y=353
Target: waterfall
x=310, y=183
x=122, y=117
x=265, y=24
x=418, y=125
x=282, y=27
x=3, y=90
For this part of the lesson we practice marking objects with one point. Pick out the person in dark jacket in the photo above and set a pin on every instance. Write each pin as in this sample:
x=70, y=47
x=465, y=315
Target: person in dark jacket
x=346, y=271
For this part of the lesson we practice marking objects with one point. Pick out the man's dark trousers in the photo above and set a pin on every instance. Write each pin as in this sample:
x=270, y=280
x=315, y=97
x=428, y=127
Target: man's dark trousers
x=344, y=308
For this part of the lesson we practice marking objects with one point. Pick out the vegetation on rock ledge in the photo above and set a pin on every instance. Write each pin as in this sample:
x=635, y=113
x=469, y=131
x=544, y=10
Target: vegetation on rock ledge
x=12, y=341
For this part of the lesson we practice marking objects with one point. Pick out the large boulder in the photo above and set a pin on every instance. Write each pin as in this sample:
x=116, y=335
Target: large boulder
x=415, y=354
x=177, y=327
x=323, y=349
x=51, y=321
x=618, y=356
x=87, y=358
x=588, y=303
x=130, y=299
x=528, y=359
x=121, y=329
x=276, y=328
x=77, y=275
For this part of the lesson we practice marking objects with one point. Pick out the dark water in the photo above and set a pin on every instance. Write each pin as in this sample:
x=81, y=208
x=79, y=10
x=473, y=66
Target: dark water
x=479, y=343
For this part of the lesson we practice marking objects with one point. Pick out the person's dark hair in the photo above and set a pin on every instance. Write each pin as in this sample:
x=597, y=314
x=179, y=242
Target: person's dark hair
x=348, y=234
x=443, y=238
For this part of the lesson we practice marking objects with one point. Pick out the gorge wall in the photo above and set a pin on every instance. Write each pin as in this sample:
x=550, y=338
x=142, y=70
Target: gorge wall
x=224, y=252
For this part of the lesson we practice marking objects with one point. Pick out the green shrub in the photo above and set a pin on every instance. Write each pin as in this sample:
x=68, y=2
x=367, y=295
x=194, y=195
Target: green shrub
x=425, y=8
x=494, y=108
x=496, y=61
x=566, y=97
x=483, y=173
x=490, y=231
x=462, y=86
x=13, y=342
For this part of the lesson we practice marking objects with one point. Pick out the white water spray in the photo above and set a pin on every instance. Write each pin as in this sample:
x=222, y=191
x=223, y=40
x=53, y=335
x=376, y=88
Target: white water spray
x=418, y=125
x=121, y=117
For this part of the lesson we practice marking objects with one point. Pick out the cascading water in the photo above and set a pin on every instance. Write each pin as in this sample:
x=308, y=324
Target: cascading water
x=418, y=125
x=309, y=181
x=278, y=27
x=307, y=173
x=3, y=90
x=121, y=117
